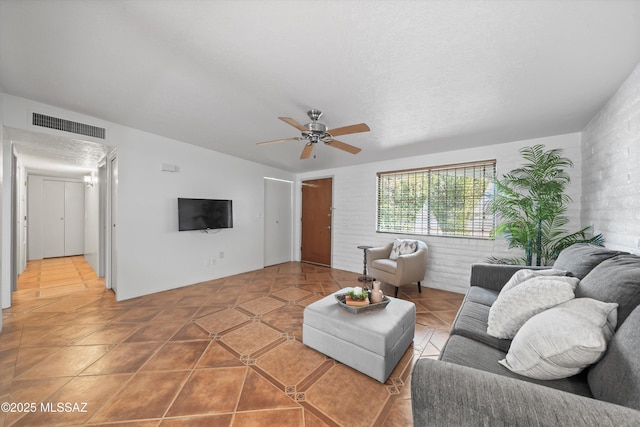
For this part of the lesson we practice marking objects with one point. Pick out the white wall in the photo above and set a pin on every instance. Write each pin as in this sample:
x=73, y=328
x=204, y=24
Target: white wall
x=152, y=255
x=5, y=291
x=5, y=222
x=450, y=259
x=611, y=158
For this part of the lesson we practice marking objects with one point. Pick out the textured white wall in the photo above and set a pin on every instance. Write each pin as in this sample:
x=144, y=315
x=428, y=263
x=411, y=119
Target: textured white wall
x=450, y=259
x=611, y=159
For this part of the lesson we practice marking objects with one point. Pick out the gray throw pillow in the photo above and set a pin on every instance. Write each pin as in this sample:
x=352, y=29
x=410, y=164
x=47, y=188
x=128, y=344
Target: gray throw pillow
x=616, y=377
x=581, y=258
x=614, y=280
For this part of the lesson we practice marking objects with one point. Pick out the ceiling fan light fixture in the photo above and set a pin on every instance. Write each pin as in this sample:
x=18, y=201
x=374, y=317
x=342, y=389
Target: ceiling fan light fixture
x=315, y=132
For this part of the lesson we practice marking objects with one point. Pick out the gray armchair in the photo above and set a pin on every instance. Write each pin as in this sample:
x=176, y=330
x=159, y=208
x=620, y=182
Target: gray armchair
x=407, y=269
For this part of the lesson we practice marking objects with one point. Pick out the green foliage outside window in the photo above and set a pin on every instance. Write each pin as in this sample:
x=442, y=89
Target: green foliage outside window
x=447, y=201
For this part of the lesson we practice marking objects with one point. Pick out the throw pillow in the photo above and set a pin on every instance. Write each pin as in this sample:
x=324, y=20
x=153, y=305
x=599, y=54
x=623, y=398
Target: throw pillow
x=562, y=341
x=513, y=308
x=526, y=273
x=403, y=247
x=614, y=280
x=616, y=376
x=581, y=258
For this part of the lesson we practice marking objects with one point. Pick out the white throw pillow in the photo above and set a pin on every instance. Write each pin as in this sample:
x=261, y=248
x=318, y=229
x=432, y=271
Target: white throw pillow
x=562, y=341
x=513, y=308
x=403, y=247
x=527, y=273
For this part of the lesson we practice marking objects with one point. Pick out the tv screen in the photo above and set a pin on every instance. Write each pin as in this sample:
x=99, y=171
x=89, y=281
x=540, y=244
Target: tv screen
x=204, y=214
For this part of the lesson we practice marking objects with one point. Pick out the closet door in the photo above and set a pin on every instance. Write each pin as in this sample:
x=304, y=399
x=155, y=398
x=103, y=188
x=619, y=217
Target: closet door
x=73, y=218
x=53, y=219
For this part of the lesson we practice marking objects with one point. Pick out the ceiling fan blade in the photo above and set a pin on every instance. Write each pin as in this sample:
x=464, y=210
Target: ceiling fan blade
x=278, y=140
x=306, y=152
x=343, y=146
x=293, y=123
x=361, y=127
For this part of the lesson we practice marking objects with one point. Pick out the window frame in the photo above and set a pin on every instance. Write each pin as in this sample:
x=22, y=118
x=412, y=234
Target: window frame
x=487, y=220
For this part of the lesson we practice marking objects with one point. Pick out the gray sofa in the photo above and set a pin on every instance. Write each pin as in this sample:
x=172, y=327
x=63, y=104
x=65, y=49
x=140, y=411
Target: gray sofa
x=467, y=385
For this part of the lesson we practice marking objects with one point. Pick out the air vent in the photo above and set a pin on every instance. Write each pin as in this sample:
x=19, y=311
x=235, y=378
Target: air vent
x=68, y=126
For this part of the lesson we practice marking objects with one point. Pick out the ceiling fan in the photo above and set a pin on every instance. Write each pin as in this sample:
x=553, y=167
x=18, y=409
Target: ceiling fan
x=315, y=132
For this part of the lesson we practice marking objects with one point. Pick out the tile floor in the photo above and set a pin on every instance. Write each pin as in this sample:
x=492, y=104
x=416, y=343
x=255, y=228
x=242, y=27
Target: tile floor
x=220, y=353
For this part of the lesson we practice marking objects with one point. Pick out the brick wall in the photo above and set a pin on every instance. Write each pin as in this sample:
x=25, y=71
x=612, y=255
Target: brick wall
x=450, y=259
x=611, y=164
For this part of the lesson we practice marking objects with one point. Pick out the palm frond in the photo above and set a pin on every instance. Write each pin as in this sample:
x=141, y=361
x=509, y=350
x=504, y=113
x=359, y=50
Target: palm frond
x=531, y=204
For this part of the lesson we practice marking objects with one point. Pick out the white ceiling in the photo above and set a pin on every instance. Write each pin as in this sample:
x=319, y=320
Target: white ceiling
x=426, y=76
x=50, y=154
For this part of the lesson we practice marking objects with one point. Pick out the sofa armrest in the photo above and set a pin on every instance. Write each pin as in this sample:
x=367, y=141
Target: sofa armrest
x=495, y=276
x=446, y=394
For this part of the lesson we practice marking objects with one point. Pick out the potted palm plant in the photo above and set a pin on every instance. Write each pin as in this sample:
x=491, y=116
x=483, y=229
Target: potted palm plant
x=531, y=205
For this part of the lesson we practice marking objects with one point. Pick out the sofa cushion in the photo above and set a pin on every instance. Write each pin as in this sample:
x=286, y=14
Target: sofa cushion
x=467, y=352
x=517, y=305
x=562, y=341
x=614, y=280
x=616, y=378
x=581, y=258
x=481, y=295
x=471, y=322
x=403, y=247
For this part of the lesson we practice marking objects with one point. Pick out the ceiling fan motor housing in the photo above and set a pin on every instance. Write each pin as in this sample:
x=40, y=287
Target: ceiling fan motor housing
x=316, y=131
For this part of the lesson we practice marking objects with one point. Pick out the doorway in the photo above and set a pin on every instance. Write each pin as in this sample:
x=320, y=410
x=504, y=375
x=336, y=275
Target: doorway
x=59, y=158
x=317, y=213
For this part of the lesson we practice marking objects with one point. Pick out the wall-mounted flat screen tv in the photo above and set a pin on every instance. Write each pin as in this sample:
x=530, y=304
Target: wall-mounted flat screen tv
x=204, y=214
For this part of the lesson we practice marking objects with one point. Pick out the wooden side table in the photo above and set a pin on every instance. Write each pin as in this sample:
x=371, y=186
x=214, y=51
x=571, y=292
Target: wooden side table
x=365, y=277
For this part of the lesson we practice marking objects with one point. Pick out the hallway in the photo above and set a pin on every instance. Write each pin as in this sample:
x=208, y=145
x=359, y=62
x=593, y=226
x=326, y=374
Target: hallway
x=56, y=277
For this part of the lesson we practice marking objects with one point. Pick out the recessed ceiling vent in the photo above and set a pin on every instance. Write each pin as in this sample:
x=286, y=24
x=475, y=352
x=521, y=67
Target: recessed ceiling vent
x=68, y=126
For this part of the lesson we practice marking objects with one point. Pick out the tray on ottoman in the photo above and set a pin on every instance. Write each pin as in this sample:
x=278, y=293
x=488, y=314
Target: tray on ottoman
x=356, y=310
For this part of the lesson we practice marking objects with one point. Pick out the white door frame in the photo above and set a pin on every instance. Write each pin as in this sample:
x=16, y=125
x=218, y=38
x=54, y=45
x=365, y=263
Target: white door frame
x=110, y=197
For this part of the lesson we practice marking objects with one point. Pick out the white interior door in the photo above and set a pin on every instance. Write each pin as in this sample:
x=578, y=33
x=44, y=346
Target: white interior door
x=52, y=219
x=278, y=206
x=74, y=218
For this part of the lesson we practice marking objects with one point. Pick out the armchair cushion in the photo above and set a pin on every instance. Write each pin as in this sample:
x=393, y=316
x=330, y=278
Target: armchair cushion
x=387, y=265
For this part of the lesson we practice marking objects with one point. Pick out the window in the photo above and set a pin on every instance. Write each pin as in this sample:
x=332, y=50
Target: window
x=441, y=201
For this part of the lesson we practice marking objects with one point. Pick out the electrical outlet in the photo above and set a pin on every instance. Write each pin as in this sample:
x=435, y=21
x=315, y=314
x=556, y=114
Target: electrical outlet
x=221, y=254
x=212, y=261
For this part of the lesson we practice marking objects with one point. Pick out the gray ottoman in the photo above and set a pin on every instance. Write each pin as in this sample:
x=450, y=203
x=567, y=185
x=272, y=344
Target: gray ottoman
x=371, y=342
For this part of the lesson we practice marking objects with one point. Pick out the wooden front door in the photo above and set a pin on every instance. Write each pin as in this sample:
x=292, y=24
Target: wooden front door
x=316, y=221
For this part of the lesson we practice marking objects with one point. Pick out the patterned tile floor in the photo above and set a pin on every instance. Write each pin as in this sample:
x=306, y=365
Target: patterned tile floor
x=220, y=353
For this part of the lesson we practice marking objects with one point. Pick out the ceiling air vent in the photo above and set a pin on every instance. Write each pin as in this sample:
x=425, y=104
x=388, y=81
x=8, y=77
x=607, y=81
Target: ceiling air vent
x=68, y=126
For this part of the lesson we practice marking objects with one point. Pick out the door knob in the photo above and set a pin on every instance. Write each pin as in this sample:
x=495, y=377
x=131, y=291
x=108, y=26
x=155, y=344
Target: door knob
x=328, y=227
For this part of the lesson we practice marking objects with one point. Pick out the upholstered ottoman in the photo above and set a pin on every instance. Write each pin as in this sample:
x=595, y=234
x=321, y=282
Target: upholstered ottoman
x=371, y=342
